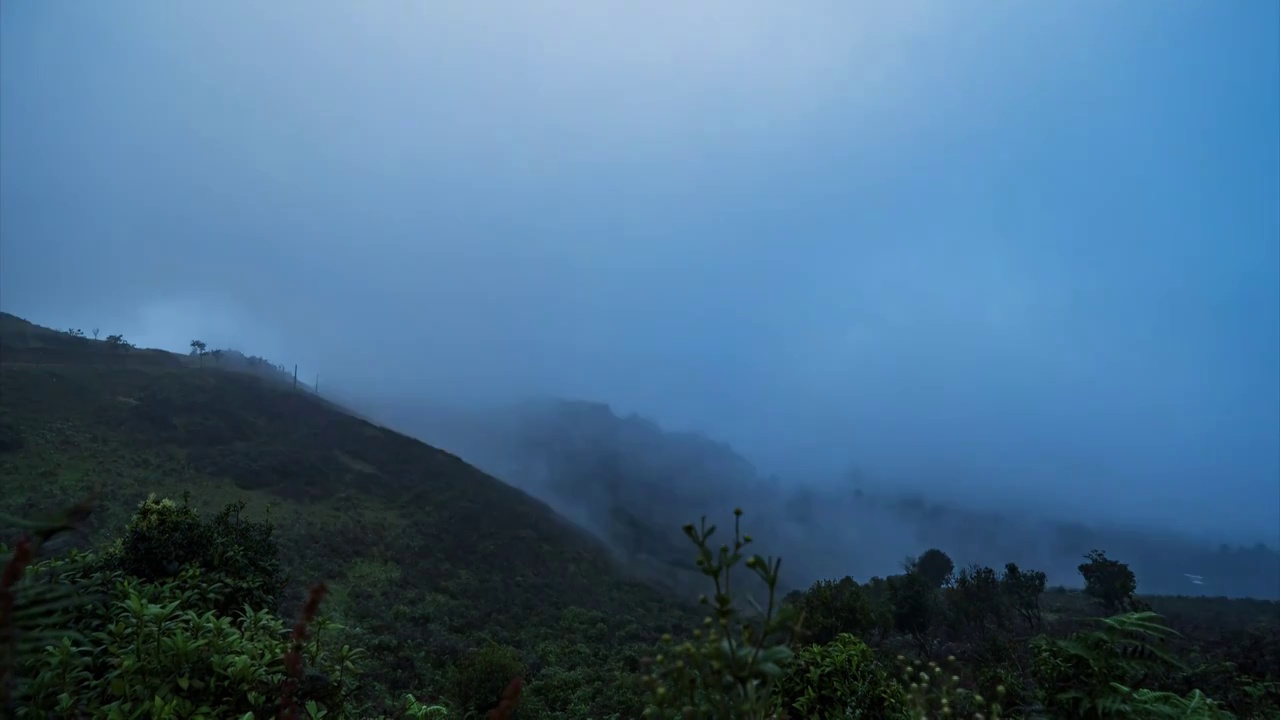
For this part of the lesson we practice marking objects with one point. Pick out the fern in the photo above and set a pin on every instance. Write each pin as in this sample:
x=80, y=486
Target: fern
x=1091, y=674
x=35, y=605
x=1131, y=644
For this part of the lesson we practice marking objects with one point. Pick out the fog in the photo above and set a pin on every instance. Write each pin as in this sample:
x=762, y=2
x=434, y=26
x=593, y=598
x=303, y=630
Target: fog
x=1010, y=255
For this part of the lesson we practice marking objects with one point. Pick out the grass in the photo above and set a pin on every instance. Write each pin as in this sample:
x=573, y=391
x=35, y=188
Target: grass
x=395, y=526
x=431, y=565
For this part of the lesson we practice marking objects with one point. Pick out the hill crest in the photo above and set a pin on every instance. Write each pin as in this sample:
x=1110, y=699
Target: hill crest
x=348, y=497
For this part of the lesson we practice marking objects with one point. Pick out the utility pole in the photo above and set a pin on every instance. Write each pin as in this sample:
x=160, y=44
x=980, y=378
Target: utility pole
x=295, y=376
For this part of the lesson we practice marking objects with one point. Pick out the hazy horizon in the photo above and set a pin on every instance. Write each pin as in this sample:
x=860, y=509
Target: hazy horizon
x=1012, y=254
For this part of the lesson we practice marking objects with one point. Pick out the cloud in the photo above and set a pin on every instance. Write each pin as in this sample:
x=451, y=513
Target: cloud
x=1000, y=251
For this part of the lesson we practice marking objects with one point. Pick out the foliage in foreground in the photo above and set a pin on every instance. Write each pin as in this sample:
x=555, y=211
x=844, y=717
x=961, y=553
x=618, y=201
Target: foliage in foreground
x=176, y=619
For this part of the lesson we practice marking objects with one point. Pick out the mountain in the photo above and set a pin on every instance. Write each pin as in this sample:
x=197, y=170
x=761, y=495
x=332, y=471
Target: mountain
x=627, y=480
x=446, y=583
x=425, y=554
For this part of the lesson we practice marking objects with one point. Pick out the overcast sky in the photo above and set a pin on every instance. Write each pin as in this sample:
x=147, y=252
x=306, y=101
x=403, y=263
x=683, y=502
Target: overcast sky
x=1005, y=249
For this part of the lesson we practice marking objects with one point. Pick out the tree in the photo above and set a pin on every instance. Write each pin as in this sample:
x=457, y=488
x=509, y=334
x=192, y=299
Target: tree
x=834, y=607
x=117, y=342
x=75, y=332
x=935, y=566
x=197, y=349
x=914, y=601
x=1022, y=590
x=876, y=591
x=1108, y=581
x=95, y=333
x=976, y=601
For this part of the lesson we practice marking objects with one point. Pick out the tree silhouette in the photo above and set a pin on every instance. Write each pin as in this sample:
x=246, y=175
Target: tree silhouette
x=197, y=348
x=976, y=600
x=935, y=566
x=913, y=602
x=1022, y=590
x=117, y=344
x=95, y=333
x=1108, y=581
x=834, y=607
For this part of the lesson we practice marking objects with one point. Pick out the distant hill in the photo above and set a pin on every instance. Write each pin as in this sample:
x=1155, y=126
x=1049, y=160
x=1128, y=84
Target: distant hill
x=390, y=522
x=627, y=479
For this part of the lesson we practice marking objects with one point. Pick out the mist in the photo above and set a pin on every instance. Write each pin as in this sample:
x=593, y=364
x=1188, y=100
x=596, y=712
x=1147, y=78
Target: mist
x=1018, y=257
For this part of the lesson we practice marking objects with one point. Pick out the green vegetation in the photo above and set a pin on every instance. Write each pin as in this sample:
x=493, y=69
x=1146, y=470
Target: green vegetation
x=316, y=565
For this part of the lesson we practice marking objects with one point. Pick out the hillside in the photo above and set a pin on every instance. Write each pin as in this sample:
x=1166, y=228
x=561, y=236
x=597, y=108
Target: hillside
x=390, y=522
x=628, y=479
x=444, y=582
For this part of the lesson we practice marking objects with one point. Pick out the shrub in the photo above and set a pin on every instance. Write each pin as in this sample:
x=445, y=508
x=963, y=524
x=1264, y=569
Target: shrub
x=914, y=604
x=1022, y=590
x=840, y=679
x=477, y=681
x=1108, y=581
x=163, y=538
x=1091, y=674
x=933, y=691
x=975, y=601
x=831, y=608
x=162, y=648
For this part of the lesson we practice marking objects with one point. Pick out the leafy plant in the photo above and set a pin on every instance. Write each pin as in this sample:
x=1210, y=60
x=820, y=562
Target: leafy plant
x=840, y=679
x=914, y=603
x=976, y=601
x=730, y=667
x=33, y=611
x=478, y=680
x=1108, y=581
x=934, y=691
x=832, y=608
x=163, y=537
x=1090, y=674
x=1022, y=590
x=130, y=635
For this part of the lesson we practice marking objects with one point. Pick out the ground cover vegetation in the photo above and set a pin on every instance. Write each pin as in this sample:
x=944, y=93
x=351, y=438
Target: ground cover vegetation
x=236, y=548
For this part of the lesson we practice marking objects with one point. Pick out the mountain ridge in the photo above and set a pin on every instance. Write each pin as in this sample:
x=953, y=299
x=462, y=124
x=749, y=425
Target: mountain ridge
x=586, y=460
x=425, y=553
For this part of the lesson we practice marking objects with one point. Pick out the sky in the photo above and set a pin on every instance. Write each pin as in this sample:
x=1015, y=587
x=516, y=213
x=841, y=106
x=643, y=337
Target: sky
x=1003, y=252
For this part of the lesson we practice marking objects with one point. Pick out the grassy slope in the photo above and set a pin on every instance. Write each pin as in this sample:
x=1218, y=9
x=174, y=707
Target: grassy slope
x=426, y=554
x=399, y=528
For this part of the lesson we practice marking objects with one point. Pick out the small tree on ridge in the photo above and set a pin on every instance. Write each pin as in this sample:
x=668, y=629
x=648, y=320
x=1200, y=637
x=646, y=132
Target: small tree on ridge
x=197, y=349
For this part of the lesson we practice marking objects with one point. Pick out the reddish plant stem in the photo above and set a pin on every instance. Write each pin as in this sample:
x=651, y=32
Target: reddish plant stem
x=293, y=658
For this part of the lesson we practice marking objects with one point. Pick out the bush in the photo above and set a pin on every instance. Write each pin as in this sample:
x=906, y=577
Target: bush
x=1022, y=590
x=832, y=608
x=840, y=679
x=976, y=602
x=477, y=681
x=1108, y=581
x=1091, y=674
x=163, y=649
x=914, y=605
x=163, y=538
